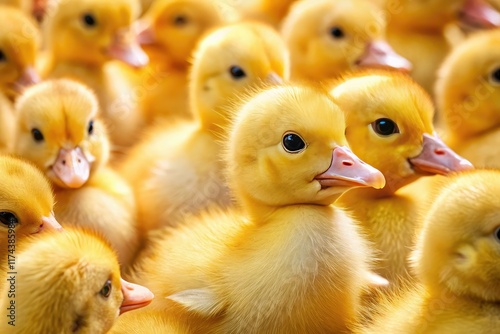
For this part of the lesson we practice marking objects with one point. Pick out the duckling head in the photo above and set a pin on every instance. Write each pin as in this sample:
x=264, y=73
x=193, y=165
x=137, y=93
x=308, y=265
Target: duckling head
x=173, y=27
x=59, y=131
x=230, y=61
x=19, y=41
x=26, y=201
x=287, y=147
x=94, y=31
x=389, y=125
x=468, y=87
x=327, y=38
x=70, y=283
x=459, y=249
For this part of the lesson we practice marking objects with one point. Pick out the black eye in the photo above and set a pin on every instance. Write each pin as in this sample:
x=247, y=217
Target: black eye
x=237, y=72
x=2, y=56
x=337, y=32
x=180, y=20
x=106, y=289
x=385, y=127
x=292, y=143
x=89, y=20
x=495, y=76
x=37, y=135
x=8, y=219
x=91, y=127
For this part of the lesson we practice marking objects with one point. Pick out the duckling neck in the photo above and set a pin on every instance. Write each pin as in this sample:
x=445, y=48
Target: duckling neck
x=353, y=195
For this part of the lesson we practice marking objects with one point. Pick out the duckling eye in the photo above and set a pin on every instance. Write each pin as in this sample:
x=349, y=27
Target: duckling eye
x=106, y=289
x=180, y=20
x=37, y=135
x=237, y=72
x=495, y=76
x=89, y=20
x=337, y=32
x=385, y=127
x=8, y=218
x=292, y=143
x=2, y=56
x=91, y=127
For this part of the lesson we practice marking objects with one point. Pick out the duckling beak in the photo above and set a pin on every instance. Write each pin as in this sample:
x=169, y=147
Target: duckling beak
x=125, y=48
x=437, y=158
x=347, y=170
x=28, y=77
x=134, y=296
x=479, y=14
x=145, y=33
x=274, y=78
x=381, y=54
x=50, y=224
x=72, y=167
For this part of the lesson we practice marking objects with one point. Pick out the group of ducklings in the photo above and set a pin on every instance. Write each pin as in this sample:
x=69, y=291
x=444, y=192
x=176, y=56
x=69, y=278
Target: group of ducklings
x=252, y=166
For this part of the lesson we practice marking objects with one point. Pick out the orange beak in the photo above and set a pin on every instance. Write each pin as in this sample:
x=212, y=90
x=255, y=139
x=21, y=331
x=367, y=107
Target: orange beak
x=28, y=78
x=72, y=167
x=134, y=296
x=479, y=14
x=347, y=170
x=381, y=54
x=126, y=49
x=437, y=158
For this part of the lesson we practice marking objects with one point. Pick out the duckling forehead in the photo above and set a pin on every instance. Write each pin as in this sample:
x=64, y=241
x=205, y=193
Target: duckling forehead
x=119, y=13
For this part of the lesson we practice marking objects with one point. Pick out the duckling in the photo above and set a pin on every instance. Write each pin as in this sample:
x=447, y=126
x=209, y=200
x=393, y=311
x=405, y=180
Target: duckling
x=168, y=33
x=327, y=38
x=187, y=177
x=81, y=37
x=68, y=283
x=467, y=94
x=456, y=260
x=281, y=264
x=26, y=204
x=58, y=129
x=394, y=133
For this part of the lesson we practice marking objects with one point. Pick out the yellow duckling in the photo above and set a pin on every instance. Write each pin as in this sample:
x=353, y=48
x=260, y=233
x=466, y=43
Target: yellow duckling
x=58, y=129
x=26, y=204
x=67, y=283
x=187, y=177
x=468, y=94
x=392, y=132
x=282, y=265
x=329, y=37
x=457, y=261
x=81, y=37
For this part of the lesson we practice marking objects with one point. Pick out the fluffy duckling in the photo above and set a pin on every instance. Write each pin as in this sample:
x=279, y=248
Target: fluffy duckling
x=82, y=36
x=424, y=41
x=457, y=261
x=58, y=129
x=394, y=133
x=326, y=38
x=26, y=203
x=169, y=33
x=468, y=96
x=68, y=283
x=281, y=265
x=187, y=177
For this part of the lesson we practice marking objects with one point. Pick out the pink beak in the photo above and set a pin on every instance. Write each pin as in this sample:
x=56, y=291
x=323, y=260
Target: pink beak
x=72, y=167
x=274, y=78
x=49, y=224
x=479, y=14
x=28, y=78
x=134, y=296
x=126, y=49
x=381, y=54
x=437, y=158
x=347, y=170
x=145, y=33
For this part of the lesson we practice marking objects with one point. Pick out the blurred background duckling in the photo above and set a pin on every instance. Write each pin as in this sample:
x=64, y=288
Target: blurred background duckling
x=389, y=126
x=268, y=11
x=187, y=177
x=424, y=41
x=329, y=37
x=59, y=130
x=81, y=36
x=26, y=203
x=457, y=262
x=468, y=96
x=19, y=41
x=69, y=283
x=282, y=264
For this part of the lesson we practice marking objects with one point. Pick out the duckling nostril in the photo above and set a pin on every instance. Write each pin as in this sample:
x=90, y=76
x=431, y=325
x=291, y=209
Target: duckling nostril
x=64, y=162
x=347, y=163
x=439, y=151
x=79, y=161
